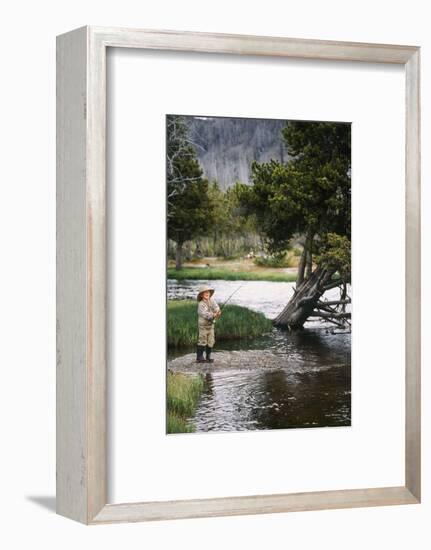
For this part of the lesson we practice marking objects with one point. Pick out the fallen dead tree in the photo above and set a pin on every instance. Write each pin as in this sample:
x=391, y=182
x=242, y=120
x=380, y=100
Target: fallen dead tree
x=308, y=303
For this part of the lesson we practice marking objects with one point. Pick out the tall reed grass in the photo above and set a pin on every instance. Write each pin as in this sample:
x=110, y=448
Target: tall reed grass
x=183, y=392
x=236, y=322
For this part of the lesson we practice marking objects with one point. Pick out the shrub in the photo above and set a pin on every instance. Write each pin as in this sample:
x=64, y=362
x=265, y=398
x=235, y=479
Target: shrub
x=282, y=259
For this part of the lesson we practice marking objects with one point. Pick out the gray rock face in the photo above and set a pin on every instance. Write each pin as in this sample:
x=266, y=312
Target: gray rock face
x=227, y=146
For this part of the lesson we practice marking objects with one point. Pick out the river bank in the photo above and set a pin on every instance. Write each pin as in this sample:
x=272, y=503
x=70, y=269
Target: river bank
x=233, y=360
x=239, y=269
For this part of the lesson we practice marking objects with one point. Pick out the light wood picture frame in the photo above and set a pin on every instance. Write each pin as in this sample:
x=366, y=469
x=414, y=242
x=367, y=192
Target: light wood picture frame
x=81, y=274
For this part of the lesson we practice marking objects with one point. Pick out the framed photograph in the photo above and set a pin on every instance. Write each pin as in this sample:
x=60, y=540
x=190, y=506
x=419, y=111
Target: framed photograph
x=238, y=275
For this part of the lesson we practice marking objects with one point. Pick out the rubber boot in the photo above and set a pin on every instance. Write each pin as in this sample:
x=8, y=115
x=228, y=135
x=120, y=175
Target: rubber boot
x=200, y=354
x=209, y=350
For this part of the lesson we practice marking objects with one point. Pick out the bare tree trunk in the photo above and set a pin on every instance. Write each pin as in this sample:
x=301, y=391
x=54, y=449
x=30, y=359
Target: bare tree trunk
x=306, y=262
x=343, y=297
x=301, y=268
x=309, y=258
x=179, y=256
x=309, y=264
x=305, y=299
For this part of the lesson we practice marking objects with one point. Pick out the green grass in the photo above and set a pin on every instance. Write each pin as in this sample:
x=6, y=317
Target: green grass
x=178, y=425
x=183, y=392
x=211, y=273
x=236, y=322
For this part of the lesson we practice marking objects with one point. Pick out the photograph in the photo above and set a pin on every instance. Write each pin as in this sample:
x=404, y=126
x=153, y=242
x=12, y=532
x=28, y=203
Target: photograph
x=198, y=202
x=258, y=274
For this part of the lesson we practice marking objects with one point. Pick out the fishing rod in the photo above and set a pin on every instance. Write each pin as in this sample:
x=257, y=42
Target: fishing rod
x=234, y=292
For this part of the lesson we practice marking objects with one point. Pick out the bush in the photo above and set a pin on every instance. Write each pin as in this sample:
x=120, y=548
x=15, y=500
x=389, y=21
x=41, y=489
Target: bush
x=282, y=259
x=336, y=254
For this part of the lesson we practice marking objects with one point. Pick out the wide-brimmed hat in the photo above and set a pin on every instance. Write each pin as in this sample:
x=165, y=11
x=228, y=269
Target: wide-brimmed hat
x=204, y=288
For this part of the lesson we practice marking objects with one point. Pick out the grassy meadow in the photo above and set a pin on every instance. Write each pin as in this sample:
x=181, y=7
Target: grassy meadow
x=212, y=273
x=236, y=269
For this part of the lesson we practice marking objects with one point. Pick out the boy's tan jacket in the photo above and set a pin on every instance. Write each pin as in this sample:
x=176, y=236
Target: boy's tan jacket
x=206, y=311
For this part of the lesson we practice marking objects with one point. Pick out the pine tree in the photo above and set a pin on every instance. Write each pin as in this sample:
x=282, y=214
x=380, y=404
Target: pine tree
x=310, y=195
x=189, y=209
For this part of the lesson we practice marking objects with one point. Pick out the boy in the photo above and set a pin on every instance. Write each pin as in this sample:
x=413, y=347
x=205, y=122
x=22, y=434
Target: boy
x=208, y=311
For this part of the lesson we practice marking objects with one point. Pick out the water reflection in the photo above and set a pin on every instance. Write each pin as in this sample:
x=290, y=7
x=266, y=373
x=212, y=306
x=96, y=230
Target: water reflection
x=295, y=397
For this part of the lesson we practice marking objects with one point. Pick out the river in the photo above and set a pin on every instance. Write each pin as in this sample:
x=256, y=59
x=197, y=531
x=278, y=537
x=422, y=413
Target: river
x=311, y=389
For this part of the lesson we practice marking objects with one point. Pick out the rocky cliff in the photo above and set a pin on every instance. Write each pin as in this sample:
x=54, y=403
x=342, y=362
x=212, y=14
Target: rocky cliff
x=227, y=146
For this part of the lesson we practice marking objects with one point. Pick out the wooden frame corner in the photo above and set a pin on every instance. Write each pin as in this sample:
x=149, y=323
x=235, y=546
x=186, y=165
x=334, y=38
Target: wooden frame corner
x=81, y=274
